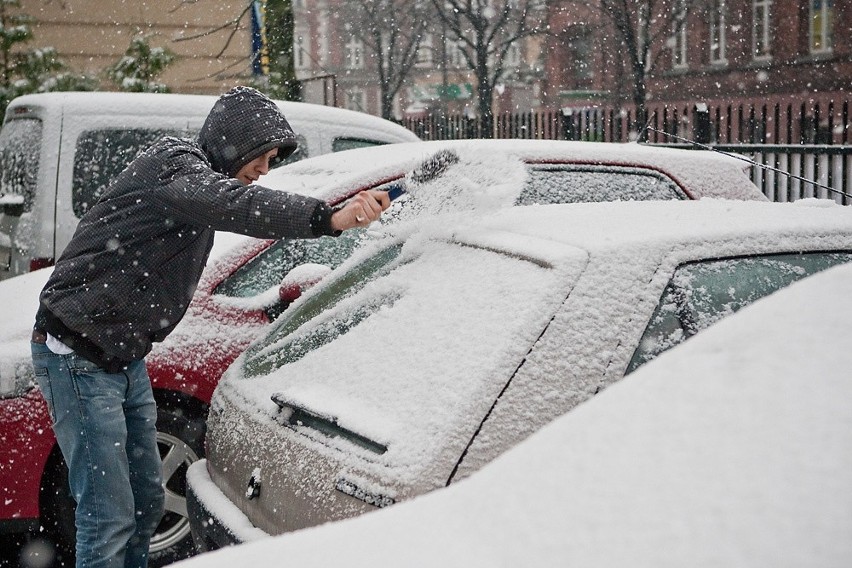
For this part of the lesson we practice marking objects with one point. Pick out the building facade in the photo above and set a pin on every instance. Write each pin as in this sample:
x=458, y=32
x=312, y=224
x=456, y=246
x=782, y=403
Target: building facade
x=210, y=38
x=724, y=52
x=336, y=66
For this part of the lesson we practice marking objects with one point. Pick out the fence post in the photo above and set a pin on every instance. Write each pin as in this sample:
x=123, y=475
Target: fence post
x=701, y=124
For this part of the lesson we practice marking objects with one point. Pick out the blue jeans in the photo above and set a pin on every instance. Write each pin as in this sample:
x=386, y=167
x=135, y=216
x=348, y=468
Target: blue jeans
x=105, y=424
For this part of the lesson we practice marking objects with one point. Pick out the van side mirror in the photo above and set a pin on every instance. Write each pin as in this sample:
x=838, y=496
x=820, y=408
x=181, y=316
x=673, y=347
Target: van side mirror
x=300, y=279
x=12, y=205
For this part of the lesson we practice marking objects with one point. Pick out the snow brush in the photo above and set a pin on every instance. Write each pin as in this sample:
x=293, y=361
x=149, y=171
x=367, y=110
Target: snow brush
x=429, y=170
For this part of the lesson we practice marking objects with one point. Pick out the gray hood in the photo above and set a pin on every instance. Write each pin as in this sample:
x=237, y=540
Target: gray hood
x=244, y=124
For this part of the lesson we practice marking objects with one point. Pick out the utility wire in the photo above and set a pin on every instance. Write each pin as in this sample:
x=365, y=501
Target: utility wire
x=749, y=160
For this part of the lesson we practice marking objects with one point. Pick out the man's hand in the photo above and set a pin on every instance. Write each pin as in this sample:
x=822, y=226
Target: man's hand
x=360, y=210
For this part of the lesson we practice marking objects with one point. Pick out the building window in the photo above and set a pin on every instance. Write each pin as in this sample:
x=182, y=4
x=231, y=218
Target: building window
x=582, y=55
x=513, y=56
x=355, y=53
x=677, y=41
x=762, y=47
x=355, y=99
x=821, y=23
x=455, y=58
x=717, y=32
x=300, y=52
x=424, y=52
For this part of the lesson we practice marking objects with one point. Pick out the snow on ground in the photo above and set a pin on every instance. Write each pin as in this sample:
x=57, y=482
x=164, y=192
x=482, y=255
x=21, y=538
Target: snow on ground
x=733, y=449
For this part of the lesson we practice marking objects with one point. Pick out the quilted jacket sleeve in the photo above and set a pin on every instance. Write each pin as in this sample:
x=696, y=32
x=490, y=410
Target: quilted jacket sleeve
x=188, y=189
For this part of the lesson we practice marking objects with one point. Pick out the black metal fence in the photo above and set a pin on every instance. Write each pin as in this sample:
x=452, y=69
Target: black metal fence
x=806, y=140
x=790, y=172
x=799, y=123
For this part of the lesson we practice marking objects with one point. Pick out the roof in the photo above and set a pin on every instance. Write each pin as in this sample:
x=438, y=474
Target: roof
x=98, y=103
x=705, y=173
x=615, y=225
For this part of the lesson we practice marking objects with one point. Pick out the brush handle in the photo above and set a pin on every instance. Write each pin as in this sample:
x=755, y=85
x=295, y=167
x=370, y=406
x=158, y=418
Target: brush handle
x=395, y=190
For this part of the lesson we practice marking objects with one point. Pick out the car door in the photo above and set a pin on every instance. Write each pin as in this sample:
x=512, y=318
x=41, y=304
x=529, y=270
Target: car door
x=635, y=331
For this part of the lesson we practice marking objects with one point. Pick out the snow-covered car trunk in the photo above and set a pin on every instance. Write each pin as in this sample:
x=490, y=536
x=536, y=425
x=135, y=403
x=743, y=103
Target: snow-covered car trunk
x=405, y=372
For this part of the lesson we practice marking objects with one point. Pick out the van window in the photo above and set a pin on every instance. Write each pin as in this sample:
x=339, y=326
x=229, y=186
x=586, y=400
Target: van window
x=300, y=154
x=20, y=144
x=341, y=144
x=103, y=154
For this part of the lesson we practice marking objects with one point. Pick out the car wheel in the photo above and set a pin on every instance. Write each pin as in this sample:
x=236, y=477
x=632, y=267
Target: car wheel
x=181, y=442
x=57, y=510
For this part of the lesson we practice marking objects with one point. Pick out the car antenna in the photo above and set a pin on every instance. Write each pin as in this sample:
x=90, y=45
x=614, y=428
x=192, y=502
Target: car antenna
x=744, y=159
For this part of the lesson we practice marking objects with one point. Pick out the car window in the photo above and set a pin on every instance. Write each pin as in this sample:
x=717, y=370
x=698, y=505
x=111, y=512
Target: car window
x=699, y=294
x=565, y=183
x=20, y=145
x=103, y=154
x=300, y=153
x=268, y=268
x=261, y=360
x=341, y=144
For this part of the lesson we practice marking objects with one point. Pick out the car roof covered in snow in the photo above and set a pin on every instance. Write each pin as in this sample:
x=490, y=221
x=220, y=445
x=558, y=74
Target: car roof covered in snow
x=180, y=105
x=700, y=173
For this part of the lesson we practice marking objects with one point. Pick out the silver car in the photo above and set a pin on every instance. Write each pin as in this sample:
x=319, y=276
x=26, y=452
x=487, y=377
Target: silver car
x=431, y=352
x=733, y=449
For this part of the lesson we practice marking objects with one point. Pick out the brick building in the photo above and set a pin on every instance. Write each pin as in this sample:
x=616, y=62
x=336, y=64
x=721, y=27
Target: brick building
x=776, y=53
x=729, y=51
x=335, y=65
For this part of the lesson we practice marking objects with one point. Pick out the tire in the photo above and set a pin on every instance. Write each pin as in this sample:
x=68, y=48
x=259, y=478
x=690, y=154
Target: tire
x=181, y=441
x=57, y=510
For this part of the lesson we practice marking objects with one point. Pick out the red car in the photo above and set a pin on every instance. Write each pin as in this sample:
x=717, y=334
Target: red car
x=243, y=289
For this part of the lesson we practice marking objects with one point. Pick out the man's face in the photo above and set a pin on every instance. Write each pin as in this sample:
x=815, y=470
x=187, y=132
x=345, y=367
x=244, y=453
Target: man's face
x=256, y=168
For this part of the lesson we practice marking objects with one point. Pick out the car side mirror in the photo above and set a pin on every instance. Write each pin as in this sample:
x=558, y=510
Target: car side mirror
x=300, y=279
x=12, y=205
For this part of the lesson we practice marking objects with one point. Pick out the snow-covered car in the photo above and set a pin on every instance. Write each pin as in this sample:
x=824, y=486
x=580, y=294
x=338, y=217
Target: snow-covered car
x=247, y=287
x=733, y=449
x=429, y=354
x=556, y=171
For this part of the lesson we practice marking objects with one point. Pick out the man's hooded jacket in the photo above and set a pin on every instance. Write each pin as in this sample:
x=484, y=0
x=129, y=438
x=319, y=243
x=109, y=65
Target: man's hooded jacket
x=127, y=276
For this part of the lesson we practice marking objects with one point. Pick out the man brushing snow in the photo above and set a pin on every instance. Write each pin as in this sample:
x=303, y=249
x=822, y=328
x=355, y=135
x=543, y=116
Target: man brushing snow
x=125, y=281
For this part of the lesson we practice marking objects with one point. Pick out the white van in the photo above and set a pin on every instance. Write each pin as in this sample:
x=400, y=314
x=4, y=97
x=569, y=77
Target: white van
x=59, y=151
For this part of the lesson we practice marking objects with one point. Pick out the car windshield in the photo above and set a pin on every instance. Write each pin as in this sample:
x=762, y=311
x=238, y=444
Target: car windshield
x=564, y=183
x=261, y=360
x=269, y=268
x=425, y=334
x=701, y=293
x=342, y=143
x=20, y=142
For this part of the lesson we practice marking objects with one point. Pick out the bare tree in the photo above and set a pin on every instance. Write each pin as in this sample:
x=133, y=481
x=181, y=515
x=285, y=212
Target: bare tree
x=645, y=31
x=392, y=30
x=484, y=31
